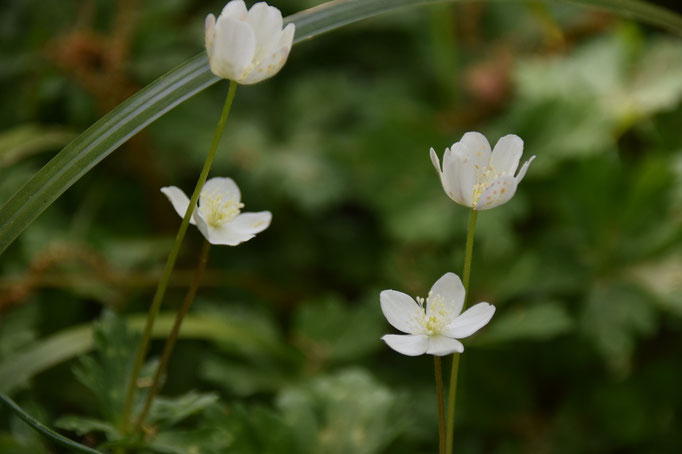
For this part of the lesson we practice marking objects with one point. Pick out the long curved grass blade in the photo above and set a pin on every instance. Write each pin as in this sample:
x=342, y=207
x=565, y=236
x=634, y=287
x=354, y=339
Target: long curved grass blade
x=44, y=430
x=183, y=82
x=72, y=342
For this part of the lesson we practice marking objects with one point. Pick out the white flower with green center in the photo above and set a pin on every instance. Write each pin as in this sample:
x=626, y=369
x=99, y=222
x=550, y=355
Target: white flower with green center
x=433, y=325
x=475, y=177
x=247, y=46
x=218, y=215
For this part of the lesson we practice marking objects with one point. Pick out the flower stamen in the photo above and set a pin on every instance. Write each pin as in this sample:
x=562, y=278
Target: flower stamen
x=217, y=212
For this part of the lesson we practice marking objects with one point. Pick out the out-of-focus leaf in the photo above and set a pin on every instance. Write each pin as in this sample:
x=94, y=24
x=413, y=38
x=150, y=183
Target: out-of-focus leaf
x=26, y=140
x=17, y=369
x=342, y=413
x=329, y=330
x=82, y=426
x=539, y=322
x=663, y=278
x=615, y=316
x=274, y=436
x=106, y=373
x=244, y=379
x=170, y=411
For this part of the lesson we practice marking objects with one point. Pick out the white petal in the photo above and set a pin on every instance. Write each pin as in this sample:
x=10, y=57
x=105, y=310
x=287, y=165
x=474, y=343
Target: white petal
x=179, y=200
x=470, y=321
x=465, y=171
x=441, y=346
x=202, y=226
x=236, y=9
x=435, y=161
x=478, y=149
x=524, y=169
x=451, y=178
x=226, y=188
x=498, y=192
x=243, y=228
x=251, y=223
x=450, y=288
x=233, y=49
x=286, y=38
x=401, y=311
x=407, y=344
x=266, y=22
x=507, y=153
x=268, y=66
x=209, y=36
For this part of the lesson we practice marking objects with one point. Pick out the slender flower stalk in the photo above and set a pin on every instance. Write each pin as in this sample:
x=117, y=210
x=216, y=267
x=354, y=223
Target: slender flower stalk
x=454, y=372
x=170, y=262
x=175, y=331
x=441, y=410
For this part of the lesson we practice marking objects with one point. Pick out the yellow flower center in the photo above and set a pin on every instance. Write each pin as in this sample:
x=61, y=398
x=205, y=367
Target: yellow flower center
x=217, y=211
x=438, y=315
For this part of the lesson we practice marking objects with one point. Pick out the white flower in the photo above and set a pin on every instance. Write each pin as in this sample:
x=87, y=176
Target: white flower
x=247, y=46
x=218, y=214
x=433, y=329
x=475, y=177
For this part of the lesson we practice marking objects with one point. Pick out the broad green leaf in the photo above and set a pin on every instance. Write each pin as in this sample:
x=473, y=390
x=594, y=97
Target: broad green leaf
x=106, y=372
x=112, y=130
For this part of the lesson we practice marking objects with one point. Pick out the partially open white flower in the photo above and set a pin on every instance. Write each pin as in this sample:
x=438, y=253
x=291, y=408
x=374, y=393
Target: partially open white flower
x=434, y=325
x=218, y=215
x=247, y=46
x=475, y=177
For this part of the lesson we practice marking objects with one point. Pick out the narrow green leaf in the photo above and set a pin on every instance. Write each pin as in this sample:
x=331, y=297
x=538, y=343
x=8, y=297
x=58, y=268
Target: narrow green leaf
x=44, y=430
x=180, y=84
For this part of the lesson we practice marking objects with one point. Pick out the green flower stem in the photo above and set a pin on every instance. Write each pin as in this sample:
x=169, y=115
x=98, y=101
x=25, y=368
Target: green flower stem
x=452, y=392
x=173, y=336
x=441, y=411
x=170, y=262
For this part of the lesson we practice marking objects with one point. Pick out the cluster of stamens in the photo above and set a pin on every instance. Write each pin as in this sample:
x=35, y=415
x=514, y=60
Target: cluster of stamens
x=438, y=314
x=217, y=212
x=484, y=177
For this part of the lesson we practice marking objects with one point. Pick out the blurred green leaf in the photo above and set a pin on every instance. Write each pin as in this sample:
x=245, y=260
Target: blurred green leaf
x=106, y=373
x=615, y=316
x=537, y=322
x=17, y=369
x=342, y=413
x=26, y=140
x=170, y=411
x=329, y=330
x=81, y=425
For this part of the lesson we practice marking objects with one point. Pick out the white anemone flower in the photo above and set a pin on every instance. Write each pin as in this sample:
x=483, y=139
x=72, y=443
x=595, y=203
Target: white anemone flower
x=247, y=46
x=433, y=326
x=475, y=177
x=218, y=215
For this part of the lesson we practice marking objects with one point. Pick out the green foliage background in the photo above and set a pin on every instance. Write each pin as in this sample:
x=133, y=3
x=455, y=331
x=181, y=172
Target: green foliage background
x=282, y=353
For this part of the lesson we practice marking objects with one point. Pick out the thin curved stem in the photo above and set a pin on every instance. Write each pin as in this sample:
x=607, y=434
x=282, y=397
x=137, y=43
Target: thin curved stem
x=441, y=410
x=175, y=331
x=44, y=430
x=452, y=392
x=170, y=262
